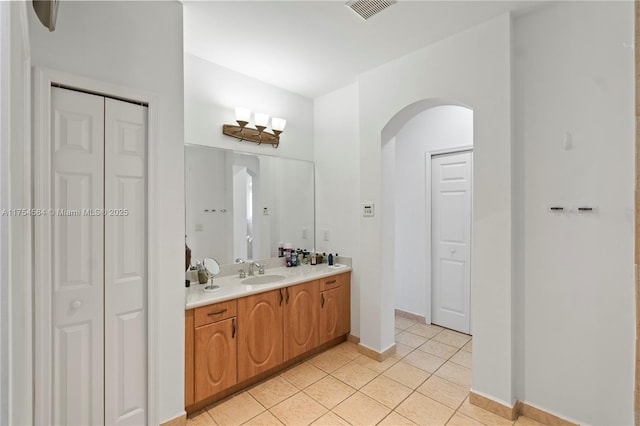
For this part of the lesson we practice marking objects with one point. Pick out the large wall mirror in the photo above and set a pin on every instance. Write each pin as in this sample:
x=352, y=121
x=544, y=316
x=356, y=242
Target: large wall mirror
x=241, y=205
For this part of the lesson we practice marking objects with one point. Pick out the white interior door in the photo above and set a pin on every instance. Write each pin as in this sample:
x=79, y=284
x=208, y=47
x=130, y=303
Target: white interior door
x=125, y=263
x=451, y=240
x=93, y=338
x=77, y=271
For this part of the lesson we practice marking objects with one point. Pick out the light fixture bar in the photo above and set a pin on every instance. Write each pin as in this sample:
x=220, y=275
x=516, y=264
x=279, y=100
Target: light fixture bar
x=258, y=135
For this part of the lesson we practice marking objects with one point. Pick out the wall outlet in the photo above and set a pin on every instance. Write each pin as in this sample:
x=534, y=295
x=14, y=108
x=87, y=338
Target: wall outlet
x=199, y=227
x=265, y=211
x=304, y=233
x=367, y=209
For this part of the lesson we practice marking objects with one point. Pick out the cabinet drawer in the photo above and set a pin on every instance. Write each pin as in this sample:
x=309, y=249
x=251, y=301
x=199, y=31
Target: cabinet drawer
x=216, y=312
x=332, y=282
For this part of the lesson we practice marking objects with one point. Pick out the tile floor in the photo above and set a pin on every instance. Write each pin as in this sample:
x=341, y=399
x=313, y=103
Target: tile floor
x=426, y=382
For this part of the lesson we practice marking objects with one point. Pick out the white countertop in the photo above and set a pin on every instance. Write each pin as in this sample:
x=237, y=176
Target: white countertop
x=231, y=286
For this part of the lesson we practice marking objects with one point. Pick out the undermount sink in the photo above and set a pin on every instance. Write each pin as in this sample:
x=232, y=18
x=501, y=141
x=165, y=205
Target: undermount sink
x=264, y=279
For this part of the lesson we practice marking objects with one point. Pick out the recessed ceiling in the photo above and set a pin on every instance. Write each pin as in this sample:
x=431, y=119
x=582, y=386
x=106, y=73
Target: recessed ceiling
x=314, y=47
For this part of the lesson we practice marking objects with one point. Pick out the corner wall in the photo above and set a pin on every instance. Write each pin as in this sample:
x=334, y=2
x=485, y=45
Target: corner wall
x=139, y=45
x=336, y=118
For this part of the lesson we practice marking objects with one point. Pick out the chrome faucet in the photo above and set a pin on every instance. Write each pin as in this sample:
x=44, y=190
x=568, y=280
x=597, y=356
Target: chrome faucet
x=257, y=265
x=241, y=272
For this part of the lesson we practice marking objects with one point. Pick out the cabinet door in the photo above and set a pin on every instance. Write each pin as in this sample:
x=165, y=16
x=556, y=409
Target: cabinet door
x=344, y=324
x=215, y=358
x=300, y=324
x=259, y=333
x=330, y=314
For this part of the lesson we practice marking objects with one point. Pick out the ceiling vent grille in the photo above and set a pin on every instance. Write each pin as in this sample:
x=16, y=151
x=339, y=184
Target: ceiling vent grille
x=367, y=8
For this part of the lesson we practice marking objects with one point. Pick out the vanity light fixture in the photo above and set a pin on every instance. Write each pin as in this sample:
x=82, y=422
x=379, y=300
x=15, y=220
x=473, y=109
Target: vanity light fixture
x=258, y=135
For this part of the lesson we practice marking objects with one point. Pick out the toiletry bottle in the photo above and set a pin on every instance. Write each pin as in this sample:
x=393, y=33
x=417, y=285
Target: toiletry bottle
x=202, y=274
x=288, y=259
x=324, y=257
x=294, y=258
x=313, y=257
x=280, y=249
x=330, y=259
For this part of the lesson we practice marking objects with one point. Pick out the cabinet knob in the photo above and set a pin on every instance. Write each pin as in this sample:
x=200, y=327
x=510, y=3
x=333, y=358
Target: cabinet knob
x=76, y=304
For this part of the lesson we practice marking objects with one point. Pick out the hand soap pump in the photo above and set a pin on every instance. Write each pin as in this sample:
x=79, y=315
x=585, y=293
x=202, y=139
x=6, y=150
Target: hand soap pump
x=330, y=260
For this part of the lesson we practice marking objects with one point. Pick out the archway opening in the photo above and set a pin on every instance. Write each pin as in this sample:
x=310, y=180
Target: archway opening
x=409, y=141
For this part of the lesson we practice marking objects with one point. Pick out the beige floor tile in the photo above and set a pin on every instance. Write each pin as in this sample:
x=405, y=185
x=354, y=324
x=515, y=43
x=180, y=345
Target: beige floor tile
x=329, y=361
x=424, y=361
x=330, y=419
x=424, y=411
x=386, y=391
x=462, y=358
x=455, y=373
x=398, y=331
x=407, y=374
x=372, y=364
x=438, y=349
x=482, y=415
x=272, y=391
x=395, y=419
x=236, y=410
x=443, y=391
x=303, y=375
x=468, y=347
x=264, y=419
x=404, y=323
x=354, y=374
x=410, y=339
x=329, y=391
x=359, y=409
x=346, y=349
x=298, y=410
x=526, y=421
x=401, y=351
x=453, y=338
x=201, y=419
x=425, y=330
x=460, y=419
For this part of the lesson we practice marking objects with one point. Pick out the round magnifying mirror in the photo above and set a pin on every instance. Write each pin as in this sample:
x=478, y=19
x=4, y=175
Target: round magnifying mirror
x=212, y=268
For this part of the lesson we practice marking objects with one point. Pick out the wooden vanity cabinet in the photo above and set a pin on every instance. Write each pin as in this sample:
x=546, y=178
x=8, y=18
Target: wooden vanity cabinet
x=260, y=334
x=300, y=322
x=232, y=344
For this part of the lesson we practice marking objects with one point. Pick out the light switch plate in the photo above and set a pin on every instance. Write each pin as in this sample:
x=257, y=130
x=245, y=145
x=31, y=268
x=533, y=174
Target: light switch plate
x=367, y=209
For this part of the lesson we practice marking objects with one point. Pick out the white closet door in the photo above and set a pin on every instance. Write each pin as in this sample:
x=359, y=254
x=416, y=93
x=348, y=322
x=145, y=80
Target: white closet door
x=451, y=240
x=125, y=263
x=77, y=386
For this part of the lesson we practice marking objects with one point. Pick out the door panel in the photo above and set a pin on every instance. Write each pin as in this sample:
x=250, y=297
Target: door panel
x=125, y=253
x=330, y=314
x=215, y=358
x=451, y=240
x=259, y=333
x=300, y=319
x=77, y=128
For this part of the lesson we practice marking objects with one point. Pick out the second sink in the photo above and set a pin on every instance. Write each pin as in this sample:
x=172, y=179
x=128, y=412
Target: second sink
x=264, y=279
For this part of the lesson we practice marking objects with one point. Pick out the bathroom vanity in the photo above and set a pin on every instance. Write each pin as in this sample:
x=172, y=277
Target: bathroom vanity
x=244, y=333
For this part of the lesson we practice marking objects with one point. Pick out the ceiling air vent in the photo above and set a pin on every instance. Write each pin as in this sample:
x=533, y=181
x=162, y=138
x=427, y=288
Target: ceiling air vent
x=367, y=8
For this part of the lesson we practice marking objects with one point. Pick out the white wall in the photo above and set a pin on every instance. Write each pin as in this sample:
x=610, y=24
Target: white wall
x=435, y=129
x=139, y=45
x=15, y=290
x=473, y=68
x=337, y=154
x=211, y=94
x=573, y=74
